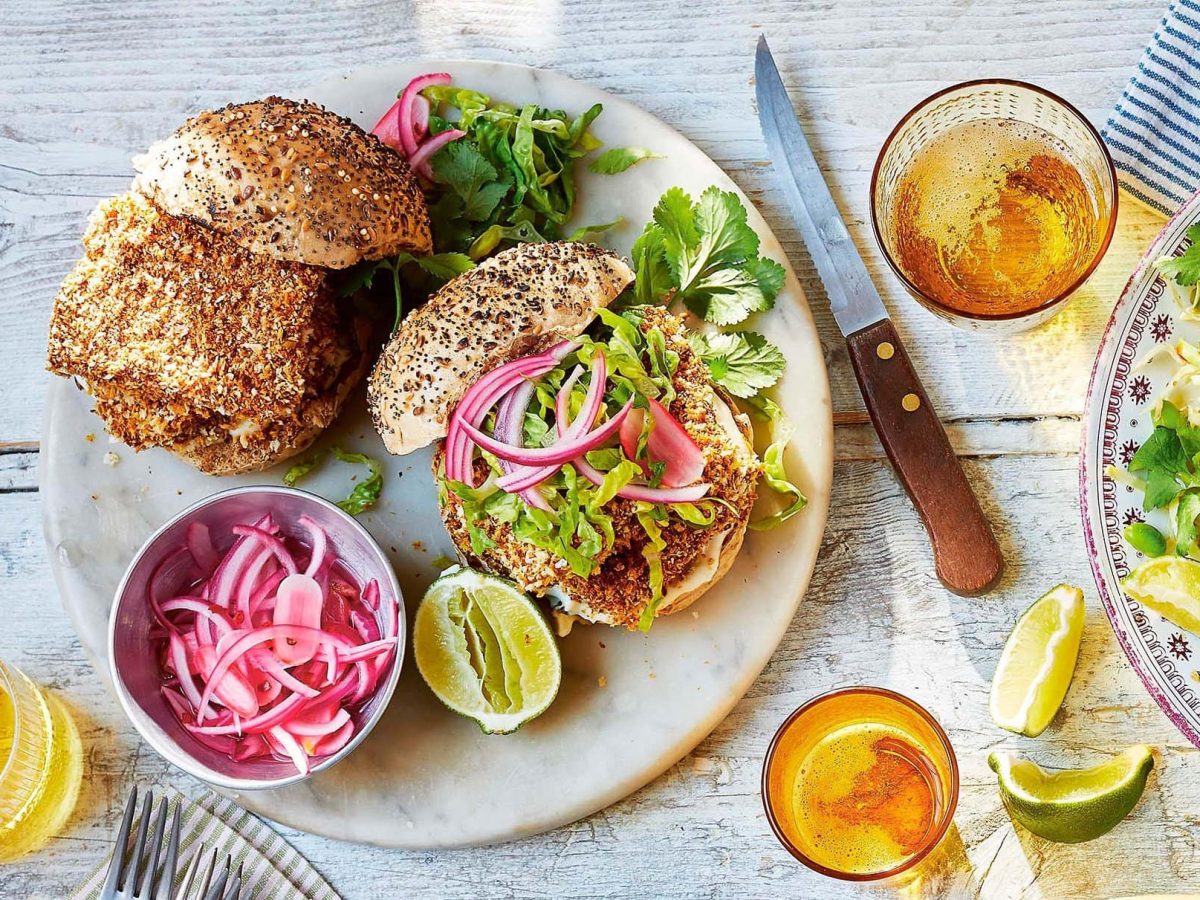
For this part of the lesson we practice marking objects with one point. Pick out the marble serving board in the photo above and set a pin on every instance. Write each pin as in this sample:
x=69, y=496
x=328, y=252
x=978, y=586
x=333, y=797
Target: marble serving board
x=631, y=705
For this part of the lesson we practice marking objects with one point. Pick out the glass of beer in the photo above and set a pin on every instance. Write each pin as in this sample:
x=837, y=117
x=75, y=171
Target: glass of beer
x=860, y=784
x=993, y=201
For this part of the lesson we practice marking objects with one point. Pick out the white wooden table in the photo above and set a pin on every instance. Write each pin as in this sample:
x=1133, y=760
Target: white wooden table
x=85, y=83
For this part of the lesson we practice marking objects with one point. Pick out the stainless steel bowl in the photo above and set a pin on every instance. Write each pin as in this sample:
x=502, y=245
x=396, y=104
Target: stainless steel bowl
x=134, y=664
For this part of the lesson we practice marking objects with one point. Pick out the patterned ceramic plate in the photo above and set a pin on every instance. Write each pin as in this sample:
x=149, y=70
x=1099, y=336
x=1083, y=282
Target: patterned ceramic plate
x=1122, y=391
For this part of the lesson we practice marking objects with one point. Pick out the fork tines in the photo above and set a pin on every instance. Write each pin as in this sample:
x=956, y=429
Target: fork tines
x=132, y=871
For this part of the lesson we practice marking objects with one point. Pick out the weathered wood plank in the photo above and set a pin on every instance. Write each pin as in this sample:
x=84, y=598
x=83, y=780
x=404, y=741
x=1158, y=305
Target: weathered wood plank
x=73, y=118
x=874, y=614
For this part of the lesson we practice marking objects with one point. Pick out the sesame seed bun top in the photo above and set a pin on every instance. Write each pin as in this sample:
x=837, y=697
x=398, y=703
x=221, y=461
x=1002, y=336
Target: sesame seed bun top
x=291, y=180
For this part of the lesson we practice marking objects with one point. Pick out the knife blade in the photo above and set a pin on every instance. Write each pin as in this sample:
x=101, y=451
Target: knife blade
x=967, y=557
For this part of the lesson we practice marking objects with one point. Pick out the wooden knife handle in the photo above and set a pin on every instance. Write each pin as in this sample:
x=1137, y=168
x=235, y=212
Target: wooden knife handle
x=966, y=555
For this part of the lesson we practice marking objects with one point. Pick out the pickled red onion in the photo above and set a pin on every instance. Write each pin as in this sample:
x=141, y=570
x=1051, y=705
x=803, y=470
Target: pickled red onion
x=235, y=691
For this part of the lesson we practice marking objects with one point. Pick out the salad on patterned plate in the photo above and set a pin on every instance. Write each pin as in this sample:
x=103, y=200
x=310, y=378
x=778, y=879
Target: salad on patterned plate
x=1166, y=468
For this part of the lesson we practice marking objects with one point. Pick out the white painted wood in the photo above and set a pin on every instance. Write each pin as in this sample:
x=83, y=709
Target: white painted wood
x=84, y=84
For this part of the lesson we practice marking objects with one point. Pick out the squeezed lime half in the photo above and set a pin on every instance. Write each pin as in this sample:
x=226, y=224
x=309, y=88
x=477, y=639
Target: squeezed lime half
x=485, y=650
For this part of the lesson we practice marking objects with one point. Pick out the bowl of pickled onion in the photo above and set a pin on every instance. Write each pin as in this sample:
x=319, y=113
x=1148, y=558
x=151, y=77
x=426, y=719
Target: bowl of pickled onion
x=257, y=637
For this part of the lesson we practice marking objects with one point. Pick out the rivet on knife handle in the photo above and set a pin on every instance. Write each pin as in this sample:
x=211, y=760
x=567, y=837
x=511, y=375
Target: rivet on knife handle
x=965, y=551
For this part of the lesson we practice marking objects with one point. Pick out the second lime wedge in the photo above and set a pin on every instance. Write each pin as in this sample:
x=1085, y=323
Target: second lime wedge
x=1169, y=586
x=1072, y=805
x=484, y=649
x=1038, y=661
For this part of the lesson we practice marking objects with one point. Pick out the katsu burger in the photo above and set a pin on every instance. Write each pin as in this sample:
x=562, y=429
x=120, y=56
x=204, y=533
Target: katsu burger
x=205, y=316
x=582, y=452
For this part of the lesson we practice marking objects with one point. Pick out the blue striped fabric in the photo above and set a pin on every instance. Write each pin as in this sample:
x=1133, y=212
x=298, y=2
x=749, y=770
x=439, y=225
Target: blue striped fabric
x=1154, y=131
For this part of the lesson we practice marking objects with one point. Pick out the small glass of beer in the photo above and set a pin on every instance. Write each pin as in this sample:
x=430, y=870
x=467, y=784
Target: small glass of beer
x=993, y=201
x=860, y=784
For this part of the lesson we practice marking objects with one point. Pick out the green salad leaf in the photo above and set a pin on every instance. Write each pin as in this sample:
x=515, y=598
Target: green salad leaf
x=774, y=468
x=1185, y=269
x=365, y=493
x=742, y=362
x=706, y=255
x=618, y=159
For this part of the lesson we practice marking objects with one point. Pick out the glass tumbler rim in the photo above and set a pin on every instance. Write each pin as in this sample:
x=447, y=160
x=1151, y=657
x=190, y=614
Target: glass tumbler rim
x=1110, y=170
x=21, y=769
x=944, y=821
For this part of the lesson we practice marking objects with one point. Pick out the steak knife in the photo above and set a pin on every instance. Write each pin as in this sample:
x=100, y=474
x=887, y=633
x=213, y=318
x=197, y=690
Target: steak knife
x=967, y=558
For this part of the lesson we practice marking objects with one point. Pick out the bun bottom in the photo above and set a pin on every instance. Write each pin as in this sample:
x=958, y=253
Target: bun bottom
x=229, y=457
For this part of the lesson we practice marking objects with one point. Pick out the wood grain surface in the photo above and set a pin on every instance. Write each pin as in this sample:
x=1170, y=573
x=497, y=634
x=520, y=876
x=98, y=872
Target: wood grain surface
x=85, y=83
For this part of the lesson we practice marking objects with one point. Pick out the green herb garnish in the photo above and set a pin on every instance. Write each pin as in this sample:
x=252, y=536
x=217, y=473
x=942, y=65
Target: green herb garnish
x=1185, y=269
x=742, y=362
x=707, y=255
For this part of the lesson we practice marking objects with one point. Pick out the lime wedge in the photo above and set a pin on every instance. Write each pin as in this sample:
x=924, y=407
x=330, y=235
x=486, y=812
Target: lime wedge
x=1073, y=805
x=1038, y=661
x=485, y=650
x=1169, y=586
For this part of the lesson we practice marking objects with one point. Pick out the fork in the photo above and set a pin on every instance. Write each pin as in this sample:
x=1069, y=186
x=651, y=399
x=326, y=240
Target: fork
x=133, y=878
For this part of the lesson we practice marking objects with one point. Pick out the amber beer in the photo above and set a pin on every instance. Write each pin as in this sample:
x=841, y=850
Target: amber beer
x=992, y=216
x=860, y=784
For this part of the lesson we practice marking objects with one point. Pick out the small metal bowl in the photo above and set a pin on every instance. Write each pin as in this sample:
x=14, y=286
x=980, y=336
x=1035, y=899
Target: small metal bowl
x=134, y=665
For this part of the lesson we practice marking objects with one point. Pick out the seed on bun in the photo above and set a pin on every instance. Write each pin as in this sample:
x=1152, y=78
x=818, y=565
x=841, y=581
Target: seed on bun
x=291, y=180
x=520, y=301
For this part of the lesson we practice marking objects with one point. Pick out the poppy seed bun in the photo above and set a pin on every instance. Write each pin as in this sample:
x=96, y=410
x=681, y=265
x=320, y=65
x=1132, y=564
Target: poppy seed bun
x=519, y=302
x=291, y=180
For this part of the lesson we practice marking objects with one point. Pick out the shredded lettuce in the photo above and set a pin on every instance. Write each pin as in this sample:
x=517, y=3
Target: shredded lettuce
x=652, y=518
x=365, y=493
x=774, y=467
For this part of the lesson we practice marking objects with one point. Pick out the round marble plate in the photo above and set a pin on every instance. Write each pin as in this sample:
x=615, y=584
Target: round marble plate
x=1120, y=397
x=631, y=705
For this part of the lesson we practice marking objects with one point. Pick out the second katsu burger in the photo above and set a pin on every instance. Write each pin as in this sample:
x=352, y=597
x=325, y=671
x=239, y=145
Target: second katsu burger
x=205, y=316
x=583, y=452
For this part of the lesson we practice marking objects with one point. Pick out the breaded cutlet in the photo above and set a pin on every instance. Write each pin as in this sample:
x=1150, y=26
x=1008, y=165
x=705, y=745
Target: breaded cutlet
x=187, y=340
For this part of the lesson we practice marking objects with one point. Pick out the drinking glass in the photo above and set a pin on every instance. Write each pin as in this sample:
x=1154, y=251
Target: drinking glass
x=917, y=747
x=1023, y=109
x=42, y=764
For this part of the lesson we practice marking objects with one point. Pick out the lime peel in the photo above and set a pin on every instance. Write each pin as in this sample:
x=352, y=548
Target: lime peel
x=485, y=650
x=1072, y=805
x=1038, y=662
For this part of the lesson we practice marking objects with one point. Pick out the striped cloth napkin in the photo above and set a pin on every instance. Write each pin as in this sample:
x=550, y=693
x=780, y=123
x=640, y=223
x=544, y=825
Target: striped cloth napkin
x=1154, y=131
x=271, y=868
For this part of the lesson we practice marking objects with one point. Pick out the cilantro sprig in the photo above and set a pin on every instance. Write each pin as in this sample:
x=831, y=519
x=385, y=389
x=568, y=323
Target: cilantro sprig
x=1185, y=269
x=1169, y=463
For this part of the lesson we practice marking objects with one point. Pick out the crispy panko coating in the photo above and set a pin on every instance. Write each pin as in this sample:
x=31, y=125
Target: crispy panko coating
x=189, y=341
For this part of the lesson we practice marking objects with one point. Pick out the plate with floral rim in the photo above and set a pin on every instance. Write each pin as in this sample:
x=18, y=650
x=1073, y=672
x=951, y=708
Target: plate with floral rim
x=1125, y=383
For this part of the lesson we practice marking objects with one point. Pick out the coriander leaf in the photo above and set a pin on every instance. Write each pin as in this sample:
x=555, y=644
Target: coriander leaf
x=1187, y=510
x=444, y=266
x=774, y=468
x=618, y=159
x=462, y=168
x=366, y=492
x=1185, y=269
x=725, y=238
x=649, y=256
x=1161, y=488
x=725, y=296
x=743, y=363
x=359, y=277
x=674, y=216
